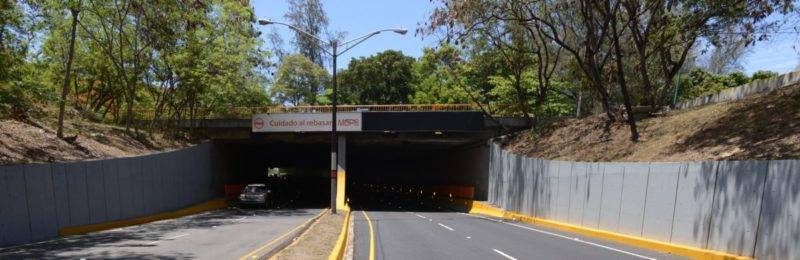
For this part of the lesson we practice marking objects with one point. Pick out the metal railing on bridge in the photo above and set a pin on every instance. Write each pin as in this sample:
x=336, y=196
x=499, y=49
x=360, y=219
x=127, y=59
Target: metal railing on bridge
x=247, y=112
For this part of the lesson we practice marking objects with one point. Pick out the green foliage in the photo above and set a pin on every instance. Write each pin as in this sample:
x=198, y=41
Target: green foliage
x=384, y=78
x=434, y=83
x=176, y=57
x=299, y=81
x=699, y=82
x=763, y=74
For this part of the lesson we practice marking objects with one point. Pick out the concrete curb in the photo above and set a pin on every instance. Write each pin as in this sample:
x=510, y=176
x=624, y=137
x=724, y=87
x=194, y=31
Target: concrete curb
x=276, y=245
x=341, y=244
x=202, y=207
x=476, y=207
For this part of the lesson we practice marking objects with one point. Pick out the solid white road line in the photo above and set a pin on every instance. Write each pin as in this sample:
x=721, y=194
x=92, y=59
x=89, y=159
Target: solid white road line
x=448, y=228
x=565, y=237
x=421, y=216
x=504, y=254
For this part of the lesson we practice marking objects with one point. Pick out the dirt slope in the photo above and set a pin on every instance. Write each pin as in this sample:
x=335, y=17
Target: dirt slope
x=765, y=126
x=25, y=143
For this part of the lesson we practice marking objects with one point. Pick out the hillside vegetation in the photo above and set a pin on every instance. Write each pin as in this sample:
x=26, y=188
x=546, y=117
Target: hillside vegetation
x=765, y=126
x=34, y=140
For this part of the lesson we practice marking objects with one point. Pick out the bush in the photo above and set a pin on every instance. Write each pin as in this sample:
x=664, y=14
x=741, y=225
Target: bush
x=17, y=98
x=763, y=74
x=699, y=82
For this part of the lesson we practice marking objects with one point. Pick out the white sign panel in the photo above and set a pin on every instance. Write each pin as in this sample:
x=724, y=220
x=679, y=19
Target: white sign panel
x=305, y=122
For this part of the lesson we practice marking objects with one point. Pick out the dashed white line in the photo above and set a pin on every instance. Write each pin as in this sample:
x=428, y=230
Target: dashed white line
x=565, y=237
x=177, y=236
x=421, y=216
x=448, y=228
x=169, y=238
x=504, y=254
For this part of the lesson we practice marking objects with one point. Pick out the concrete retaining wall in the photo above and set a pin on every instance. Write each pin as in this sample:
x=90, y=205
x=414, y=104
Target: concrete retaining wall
x=742, y=91
x=749, y=208
x=36, y=200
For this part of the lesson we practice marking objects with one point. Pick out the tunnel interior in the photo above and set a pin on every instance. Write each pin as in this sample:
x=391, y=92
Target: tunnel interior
x=376, y=166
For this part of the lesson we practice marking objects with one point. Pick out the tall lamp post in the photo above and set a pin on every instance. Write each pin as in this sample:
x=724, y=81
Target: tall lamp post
x=333, y=45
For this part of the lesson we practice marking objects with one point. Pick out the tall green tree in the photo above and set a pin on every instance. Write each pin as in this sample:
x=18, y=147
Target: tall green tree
x=384, y=78
x=435, y=84
x=298, y=81
x=309, y=16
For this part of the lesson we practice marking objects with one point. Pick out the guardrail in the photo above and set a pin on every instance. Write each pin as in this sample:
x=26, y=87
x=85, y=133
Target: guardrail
x=247, y=112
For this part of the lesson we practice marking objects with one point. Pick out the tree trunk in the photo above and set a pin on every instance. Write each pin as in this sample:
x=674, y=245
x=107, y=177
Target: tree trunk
x=129, y=104
x=622, y=84
x=65, y=86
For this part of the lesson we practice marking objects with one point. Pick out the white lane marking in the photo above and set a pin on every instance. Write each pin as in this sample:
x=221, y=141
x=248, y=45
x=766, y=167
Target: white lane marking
x=448, y=228
x=431, y=220
x=421, y=216
x=169, y=238
x=566, y=237
x=242, y=218
x=504, y=254
x=469, y=237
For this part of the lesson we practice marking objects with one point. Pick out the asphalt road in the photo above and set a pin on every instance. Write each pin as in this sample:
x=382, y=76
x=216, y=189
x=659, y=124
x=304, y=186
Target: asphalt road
x=221, y=234
x=450, y=235
x=404, y=228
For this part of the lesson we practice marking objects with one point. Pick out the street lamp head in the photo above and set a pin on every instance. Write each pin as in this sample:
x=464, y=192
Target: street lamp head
x=401, y=31
x=264, y=22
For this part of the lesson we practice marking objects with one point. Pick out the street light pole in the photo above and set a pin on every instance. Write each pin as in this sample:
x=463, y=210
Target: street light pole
x=334, y=135
x=334, y=45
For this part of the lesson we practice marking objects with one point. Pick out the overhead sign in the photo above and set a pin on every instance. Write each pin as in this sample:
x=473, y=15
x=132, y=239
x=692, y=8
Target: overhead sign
x=306, y=122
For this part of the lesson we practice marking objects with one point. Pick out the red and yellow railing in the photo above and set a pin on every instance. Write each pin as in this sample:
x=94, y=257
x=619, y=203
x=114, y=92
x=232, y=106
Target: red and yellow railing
x=247, y=112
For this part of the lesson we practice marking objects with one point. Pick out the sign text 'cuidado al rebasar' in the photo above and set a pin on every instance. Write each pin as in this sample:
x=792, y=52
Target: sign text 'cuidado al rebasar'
x=306, y=122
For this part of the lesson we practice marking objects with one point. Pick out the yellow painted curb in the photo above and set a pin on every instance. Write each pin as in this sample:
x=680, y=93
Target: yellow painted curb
x=476, y=207
x=202, y=207
x=341, y=243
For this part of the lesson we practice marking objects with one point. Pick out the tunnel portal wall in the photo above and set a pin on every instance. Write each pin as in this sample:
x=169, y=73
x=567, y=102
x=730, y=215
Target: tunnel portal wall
x=36, y=200
x=749, y=208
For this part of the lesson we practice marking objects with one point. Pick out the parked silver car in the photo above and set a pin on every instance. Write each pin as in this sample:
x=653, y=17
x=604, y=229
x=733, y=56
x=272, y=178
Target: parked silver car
x=256, y=194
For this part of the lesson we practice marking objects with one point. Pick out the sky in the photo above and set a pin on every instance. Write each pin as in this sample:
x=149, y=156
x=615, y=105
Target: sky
x=358, y=17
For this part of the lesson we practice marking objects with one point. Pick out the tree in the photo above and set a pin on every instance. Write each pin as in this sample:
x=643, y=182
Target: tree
x=309, y=16
x=730, y=48
x=74, y=10
x=384, y=78
x=434, y=83
x=596, y=36
x=297, y=81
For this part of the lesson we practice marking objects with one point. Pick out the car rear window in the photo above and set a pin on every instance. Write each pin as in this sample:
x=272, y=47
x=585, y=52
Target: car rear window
x=254, y=189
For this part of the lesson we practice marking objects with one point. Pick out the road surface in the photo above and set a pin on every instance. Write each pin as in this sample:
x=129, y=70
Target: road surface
x=404, y=228
x=221, y=234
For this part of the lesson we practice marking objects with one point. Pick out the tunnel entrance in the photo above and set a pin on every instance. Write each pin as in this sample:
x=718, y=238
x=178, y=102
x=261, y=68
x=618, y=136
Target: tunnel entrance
x=294, y=167
x=393, y=171
x=374, y=166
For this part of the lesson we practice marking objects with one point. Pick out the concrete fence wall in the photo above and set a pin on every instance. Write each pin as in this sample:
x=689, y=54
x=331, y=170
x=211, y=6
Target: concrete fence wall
x=36, y=200
x=742, y=91
x=749, y=208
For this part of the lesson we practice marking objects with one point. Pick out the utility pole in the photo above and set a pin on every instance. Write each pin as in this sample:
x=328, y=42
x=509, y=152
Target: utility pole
x=334, y=45
x=334, y=135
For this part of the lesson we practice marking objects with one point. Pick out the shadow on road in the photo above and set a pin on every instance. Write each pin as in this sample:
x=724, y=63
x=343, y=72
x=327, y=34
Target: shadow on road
x=112, y=244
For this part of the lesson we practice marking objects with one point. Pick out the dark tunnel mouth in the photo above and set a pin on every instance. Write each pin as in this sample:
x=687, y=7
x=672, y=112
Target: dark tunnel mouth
x=426, y=162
